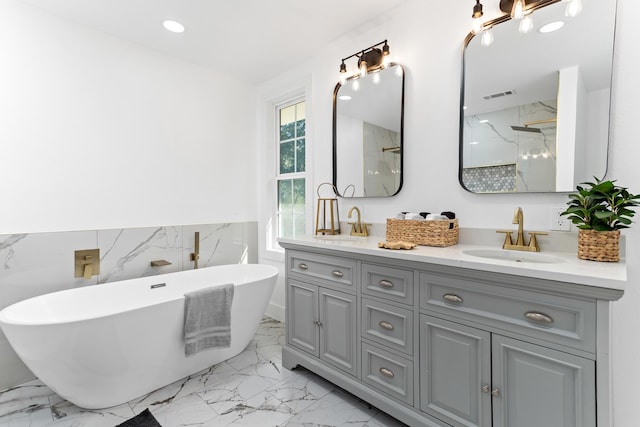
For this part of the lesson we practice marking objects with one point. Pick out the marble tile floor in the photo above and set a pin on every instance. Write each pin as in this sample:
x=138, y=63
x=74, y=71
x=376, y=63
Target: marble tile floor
x=252, y=389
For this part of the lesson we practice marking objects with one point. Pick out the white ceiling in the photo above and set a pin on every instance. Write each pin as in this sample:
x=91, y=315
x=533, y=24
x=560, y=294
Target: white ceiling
x=256, y=39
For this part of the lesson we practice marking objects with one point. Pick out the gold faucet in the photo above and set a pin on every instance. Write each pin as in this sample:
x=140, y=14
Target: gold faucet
x=518, y=218
x=195, y=255
x=357, y=228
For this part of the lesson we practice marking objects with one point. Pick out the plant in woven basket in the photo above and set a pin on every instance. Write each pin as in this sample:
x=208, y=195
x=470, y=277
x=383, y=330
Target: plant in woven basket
x=600, y=211
x=602, y=206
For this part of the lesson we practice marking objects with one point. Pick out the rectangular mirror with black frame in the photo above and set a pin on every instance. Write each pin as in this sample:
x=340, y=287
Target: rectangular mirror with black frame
x=534, y=114
x=367, y=133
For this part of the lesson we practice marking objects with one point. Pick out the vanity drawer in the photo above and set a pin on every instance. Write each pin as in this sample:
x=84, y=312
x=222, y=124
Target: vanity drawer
x=389, y=283
x=388, y=373
x=323, y=269
x=387, y=325
x=562, y=320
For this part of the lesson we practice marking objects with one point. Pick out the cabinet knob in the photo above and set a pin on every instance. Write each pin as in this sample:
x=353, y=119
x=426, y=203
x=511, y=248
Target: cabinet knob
x=386, y=283
x=495, y=392
x=386, y=325
x=539, y=317
x=452, y=298
x=337, y=273
x=387, y=372
x=485, y=388
x=303, y=266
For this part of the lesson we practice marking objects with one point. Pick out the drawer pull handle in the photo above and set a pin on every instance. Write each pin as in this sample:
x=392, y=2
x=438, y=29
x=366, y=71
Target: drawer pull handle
x=386, y=325
x=386, y=283
x=387, y=372
x=317, y=323
x=539, y=317
x=303, y=266
x=452, y=298
x=337, y=273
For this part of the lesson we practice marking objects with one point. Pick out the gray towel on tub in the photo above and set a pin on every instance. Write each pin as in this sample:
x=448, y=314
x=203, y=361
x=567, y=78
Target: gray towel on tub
x=207, y=319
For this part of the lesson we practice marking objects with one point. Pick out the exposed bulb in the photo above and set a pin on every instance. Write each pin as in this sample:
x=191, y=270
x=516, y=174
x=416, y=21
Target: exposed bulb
x=517, y=12
x=476, y=26
x=526, y=24
x=574, y=7
x=385, y=61
x=363, y=68
x=355, y=85
x=343, y=78
x=376, y=78
x=487, y=37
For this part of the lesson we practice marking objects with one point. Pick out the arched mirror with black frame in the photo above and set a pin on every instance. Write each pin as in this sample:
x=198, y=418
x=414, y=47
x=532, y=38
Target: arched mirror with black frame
x=534, y=113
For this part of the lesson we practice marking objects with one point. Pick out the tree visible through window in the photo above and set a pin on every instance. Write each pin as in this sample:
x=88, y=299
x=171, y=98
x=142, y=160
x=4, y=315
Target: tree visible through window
x=291, y=170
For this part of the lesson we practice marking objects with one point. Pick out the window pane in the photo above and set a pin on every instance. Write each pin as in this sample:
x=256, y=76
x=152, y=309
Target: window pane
x=284, y=195
x=287, y=122
x=291, y=204
x=298, y=193
x=300, y=111
x=300, y=128
x=287, y=157
x=300, y=151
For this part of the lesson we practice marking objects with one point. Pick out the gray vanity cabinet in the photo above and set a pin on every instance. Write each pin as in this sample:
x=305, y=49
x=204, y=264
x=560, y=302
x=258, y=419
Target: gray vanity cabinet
x=537, y=386
x=441, y=346
x=470, y=377
x=321, y=320
x=454, y=367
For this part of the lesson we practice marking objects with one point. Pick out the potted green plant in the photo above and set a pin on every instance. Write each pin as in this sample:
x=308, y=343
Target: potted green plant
x=600, y=210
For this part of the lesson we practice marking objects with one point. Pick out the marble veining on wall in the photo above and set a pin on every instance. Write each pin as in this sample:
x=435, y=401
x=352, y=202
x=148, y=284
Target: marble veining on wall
x=39, y=263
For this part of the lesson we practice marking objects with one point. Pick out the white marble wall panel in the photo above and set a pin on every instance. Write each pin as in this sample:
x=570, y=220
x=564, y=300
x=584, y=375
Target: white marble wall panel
x=40, y=263
x=127, y=253
x=229, y=243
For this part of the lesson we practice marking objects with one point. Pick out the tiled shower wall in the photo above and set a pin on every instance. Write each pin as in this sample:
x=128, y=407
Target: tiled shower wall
x=39, y=263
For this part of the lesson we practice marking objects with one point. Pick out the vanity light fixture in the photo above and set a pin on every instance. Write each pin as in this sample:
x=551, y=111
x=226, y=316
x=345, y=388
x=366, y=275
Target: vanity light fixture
x=370, y=59
x=173, y=26
x=520, y=10
x=476, y=25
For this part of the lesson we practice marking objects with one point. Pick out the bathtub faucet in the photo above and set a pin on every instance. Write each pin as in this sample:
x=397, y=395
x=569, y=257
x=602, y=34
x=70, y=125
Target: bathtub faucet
x=195, y=255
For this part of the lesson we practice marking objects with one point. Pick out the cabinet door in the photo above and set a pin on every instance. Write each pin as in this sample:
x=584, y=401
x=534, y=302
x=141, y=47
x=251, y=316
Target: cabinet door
x=537, y=386
x=455, y=369
x=302, y=316
x=338, y=340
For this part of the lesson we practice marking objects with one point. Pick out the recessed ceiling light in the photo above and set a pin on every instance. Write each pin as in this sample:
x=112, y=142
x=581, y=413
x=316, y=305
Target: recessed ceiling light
x=551, y=27
x=344, y=97
x=474, y=143
x=483, y=121
x=173, y=26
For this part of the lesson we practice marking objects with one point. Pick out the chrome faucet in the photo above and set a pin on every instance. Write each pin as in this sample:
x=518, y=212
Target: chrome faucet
x=357, y=228
x=518, y=218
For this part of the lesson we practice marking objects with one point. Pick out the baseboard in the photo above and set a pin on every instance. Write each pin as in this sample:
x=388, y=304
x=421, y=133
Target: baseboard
x=275, y=311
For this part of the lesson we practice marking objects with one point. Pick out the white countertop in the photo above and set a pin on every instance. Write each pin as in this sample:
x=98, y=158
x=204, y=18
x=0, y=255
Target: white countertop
x=611, y=275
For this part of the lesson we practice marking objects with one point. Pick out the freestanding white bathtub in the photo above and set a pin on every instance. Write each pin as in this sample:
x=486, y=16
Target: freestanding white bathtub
x=104, y=345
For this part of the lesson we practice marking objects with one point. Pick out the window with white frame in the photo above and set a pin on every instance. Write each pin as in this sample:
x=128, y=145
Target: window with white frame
x=290, y=169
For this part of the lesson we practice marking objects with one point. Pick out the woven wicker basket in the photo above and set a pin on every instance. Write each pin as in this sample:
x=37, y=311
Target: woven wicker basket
x=426, y=233
x=599, y=245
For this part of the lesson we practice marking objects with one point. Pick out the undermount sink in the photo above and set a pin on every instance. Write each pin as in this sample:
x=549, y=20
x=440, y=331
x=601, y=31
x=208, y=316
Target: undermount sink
x=515, y=256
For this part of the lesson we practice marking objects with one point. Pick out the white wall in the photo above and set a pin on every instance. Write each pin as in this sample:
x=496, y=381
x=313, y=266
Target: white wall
x=100, y=133
x=430, y=48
